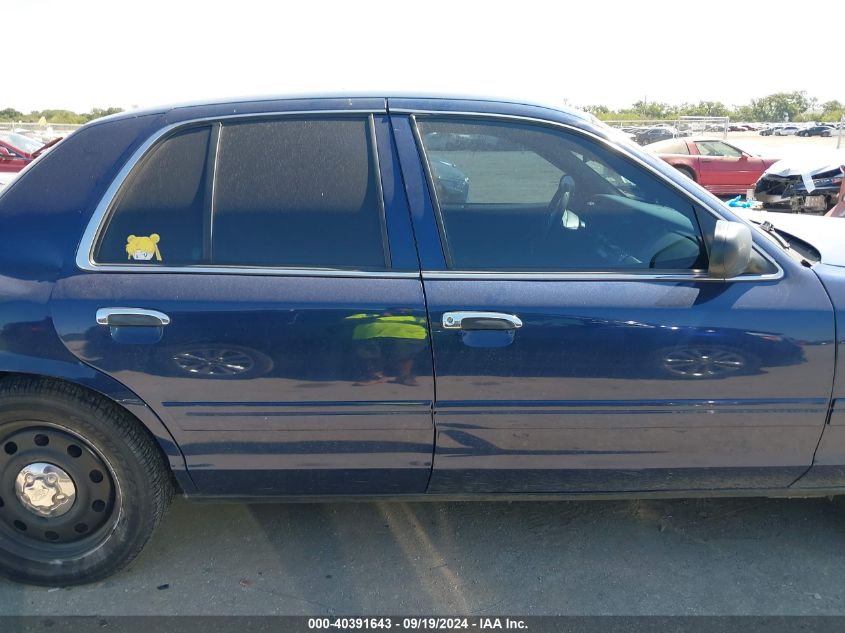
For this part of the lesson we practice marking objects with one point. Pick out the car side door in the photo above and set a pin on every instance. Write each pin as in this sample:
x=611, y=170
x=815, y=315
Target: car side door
x=254, y=280
x=580, y=344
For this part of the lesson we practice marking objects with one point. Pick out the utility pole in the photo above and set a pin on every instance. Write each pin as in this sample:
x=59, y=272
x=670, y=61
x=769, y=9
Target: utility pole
x=841, y=129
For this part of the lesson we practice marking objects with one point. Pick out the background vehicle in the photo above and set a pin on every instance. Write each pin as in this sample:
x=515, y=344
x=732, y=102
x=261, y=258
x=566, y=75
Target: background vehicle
x=452, y=184
x=654, y=134
x=784, y=184
x=17, y=151
x=786, y=130
x=600, y=323
x=816, y=130
x=716, y=165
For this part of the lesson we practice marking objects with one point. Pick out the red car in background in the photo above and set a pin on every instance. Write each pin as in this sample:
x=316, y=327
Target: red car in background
x=17, y=151
x=716, y=165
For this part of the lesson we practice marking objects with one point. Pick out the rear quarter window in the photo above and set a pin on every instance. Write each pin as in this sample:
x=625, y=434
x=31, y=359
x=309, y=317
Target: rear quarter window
x=158, y=214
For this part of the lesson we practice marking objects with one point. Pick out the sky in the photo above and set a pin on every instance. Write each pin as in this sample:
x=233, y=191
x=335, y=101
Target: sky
x=102, y=53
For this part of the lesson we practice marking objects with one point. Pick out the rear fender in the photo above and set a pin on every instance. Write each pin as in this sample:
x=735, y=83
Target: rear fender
x=93, y=380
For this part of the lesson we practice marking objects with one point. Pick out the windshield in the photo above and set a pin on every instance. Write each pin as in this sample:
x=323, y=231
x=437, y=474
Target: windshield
x=21, y=142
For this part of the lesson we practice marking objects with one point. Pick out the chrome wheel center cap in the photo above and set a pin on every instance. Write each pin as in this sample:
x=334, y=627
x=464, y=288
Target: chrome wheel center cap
x=45, y=489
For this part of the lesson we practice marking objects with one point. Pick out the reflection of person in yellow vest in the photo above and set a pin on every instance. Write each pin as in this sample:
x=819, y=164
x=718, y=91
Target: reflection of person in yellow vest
x=388, y=342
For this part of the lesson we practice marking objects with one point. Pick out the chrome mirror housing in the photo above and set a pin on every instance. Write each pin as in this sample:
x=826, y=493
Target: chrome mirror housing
x=730, y=253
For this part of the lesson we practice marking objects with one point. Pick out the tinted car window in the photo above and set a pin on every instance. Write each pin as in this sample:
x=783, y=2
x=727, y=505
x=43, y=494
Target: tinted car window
x=158, y=215
x=544, y=199
x=298, y=192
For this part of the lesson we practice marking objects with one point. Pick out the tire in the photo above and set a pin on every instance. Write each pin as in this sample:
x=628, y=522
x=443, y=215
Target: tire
x=57, y=533
x=686, y=171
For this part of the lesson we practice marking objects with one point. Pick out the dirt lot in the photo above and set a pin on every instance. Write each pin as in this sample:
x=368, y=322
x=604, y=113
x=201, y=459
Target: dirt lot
x=782, y=146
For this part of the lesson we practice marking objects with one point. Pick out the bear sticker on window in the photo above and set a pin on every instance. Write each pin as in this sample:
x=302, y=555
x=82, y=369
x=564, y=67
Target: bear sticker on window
x=143, y=248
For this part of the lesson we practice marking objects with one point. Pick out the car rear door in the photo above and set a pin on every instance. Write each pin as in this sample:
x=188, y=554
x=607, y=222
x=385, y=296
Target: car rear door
x=580, y=345
x=255, y=281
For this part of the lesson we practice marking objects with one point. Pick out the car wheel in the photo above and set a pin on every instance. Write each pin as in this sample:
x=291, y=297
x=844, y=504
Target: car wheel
x=686, y=171
x=82, y=484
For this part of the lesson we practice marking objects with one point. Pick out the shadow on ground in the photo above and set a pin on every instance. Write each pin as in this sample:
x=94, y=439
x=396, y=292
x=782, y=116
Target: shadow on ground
x=707, y=556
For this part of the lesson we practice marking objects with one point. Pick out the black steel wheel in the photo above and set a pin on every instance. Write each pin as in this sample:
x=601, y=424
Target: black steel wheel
x=54, y=489
x=82, y=484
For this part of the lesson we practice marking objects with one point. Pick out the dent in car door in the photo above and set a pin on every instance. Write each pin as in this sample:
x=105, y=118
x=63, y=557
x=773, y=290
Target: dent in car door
x=616, y=379
x=313, y=378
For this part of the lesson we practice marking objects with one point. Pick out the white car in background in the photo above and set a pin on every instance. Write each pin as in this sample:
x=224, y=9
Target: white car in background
x=816, y=239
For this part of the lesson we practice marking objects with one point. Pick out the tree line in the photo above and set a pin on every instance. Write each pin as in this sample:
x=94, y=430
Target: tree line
x=797, y=106
x=55, y=116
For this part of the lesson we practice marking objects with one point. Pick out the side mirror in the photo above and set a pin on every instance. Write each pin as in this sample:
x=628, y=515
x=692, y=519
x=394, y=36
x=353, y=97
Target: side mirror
x=4, y=153
x=730, y=253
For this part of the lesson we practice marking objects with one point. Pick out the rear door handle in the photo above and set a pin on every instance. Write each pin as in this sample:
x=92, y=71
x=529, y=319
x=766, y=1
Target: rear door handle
x=467, y=320
x=131, y=317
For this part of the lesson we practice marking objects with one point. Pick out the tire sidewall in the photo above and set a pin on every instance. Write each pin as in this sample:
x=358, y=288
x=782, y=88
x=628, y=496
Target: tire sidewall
x=134, y=508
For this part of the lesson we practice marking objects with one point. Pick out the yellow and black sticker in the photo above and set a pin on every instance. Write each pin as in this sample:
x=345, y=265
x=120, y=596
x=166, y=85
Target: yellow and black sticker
x=143, y=248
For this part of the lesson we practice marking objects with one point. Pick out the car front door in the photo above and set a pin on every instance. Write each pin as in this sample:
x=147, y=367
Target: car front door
x=725, y=168
x=242, y=283
x=580, y=345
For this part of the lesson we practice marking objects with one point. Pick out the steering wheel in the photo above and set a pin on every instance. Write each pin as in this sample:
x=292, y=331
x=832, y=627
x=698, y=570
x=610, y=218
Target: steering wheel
x=559, y=203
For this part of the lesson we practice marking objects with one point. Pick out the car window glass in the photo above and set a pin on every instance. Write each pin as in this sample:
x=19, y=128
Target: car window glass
x=298, y=192
x=526, y=178
x=717, y=148
x=158, y=214
x=537, y=198
x=23, y=143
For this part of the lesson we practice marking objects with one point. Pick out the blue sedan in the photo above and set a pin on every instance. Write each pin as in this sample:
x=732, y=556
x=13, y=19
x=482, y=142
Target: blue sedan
x=391, y=298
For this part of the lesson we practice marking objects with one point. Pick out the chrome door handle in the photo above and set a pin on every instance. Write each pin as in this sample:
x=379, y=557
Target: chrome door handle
x=466, y=320
x=132, y=317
